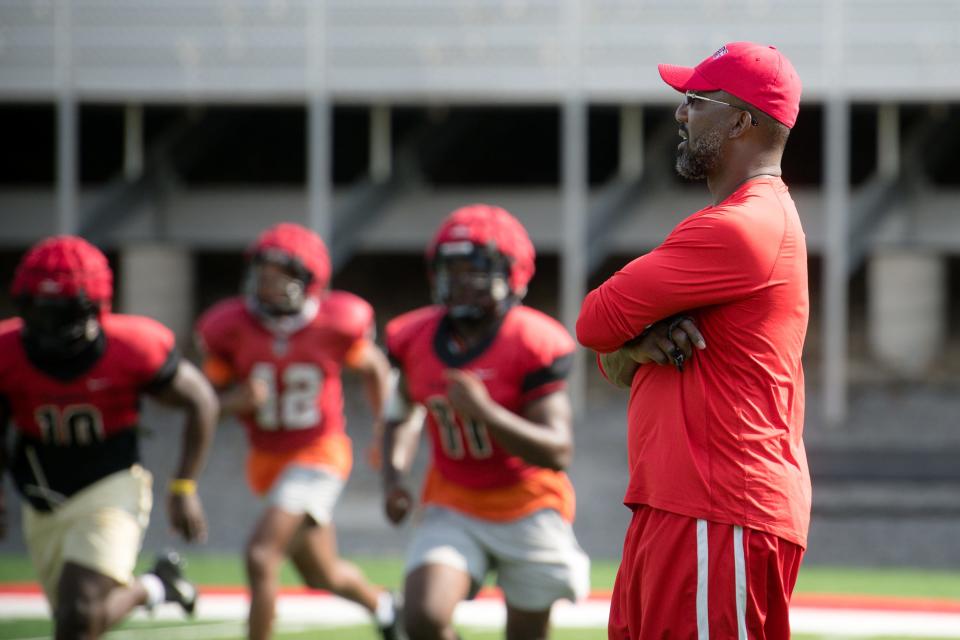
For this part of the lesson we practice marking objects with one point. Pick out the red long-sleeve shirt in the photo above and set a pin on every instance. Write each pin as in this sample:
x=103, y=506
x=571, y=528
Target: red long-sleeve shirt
x=723, y=439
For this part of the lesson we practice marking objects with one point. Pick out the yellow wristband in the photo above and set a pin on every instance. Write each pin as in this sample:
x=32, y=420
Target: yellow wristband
x=182, y=487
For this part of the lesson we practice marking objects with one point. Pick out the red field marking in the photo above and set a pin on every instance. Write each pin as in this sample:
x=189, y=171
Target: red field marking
x=805, y=600
x=878, y=603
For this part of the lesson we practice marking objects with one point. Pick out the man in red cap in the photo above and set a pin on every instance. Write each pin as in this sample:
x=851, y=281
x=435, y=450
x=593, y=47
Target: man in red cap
x=719, y=486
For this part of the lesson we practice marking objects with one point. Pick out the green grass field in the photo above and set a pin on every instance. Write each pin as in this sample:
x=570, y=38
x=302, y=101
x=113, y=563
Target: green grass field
x=228, y=570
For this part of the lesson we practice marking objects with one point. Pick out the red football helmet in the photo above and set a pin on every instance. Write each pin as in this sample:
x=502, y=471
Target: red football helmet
x=303, y=257
x=61, y=286
x=493, y=241
x=64, y=267
x=493, y=228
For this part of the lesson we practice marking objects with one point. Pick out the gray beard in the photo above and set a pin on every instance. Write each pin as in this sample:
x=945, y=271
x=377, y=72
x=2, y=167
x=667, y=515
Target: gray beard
x=699, y=158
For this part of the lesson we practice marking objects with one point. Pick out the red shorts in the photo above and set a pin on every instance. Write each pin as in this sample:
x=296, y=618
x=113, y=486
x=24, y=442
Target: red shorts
x=691, y=579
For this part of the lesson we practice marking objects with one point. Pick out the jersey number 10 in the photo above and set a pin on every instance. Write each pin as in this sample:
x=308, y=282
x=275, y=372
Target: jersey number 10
x=292, y=404
x=75, y=424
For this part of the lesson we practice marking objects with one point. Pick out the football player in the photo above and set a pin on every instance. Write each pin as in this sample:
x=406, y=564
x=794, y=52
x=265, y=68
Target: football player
x=72, y=374
x=276, y=353
x=489, y=373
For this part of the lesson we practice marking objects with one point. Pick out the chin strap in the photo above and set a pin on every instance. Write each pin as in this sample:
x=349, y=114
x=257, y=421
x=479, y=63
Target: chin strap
x=285, y=324
x=475, y=314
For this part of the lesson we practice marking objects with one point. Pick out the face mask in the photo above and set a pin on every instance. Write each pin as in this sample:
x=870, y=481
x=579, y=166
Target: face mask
x=59, y=327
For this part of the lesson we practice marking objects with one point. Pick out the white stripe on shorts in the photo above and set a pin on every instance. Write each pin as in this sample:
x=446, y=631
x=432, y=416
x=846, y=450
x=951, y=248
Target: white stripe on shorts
x=739, y=563
x=703, y=561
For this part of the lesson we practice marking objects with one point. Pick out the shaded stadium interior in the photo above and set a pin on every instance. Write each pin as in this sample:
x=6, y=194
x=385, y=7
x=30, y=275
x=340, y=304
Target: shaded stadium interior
x=457, y=147
x=885, y=476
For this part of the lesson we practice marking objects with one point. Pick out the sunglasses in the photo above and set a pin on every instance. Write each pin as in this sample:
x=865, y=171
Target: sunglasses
x=690, y=96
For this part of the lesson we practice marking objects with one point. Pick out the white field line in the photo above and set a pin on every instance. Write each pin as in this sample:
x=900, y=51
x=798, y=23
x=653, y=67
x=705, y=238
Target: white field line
x=298, y=611
x=870, y=623
x=198, y=631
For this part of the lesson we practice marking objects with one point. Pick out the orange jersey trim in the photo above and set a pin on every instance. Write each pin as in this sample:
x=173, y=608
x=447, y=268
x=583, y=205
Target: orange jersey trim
x=356, y=353
x=542, y=489
x=333, y=451
x=218, y=371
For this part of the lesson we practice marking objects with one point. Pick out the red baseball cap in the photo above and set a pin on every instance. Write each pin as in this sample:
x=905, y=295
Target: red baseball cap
x=757, y=74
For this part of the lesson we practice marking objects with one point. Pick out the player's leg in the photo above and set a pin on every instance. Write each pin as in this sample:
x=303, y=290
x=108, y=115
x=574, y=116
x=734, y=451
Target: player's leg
x=314, y=554
x=534, y=625
x=445, y=565
x=85, y=551
x=538, y=562
x=43, y=533
x=290, y=494
x=169, y=572
x=314, y=491
x=432, y=592
x=90, y=602
x=265, y=552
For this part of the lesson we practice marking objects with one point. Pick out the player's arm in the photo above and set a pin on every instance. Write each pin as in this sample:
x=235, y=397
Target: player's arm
x=541, y=436
x=189, y=390
x=235, y=398
x=366, y=359
x=403, y=424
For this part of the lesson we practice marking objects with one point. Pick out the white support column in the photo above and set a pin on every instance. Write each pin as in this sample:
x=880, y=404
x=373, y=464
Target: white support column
x=381, y=136
x=132, y=142
x=908, y=309
x=836, y=171
x=319, y=127
x=631, y=142
x=573, y=257
x=157, y=280
x=66, y=130
x=888, y=141
x=573, y=271
x=836, y=256
x=318, y=171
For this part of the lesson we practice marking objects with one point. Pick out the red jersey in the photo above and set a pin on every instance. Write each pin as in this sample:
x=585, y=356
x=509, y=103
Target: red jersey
x=527, y=358
x=722, y=440
x=78, y=426
x=301, y=369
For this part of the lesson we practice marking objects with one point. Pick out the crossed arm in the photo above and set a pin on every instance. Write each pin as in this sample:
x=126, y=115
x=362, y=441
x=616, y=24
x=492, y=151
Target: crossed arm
x=632, y=318
x=668, y=342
